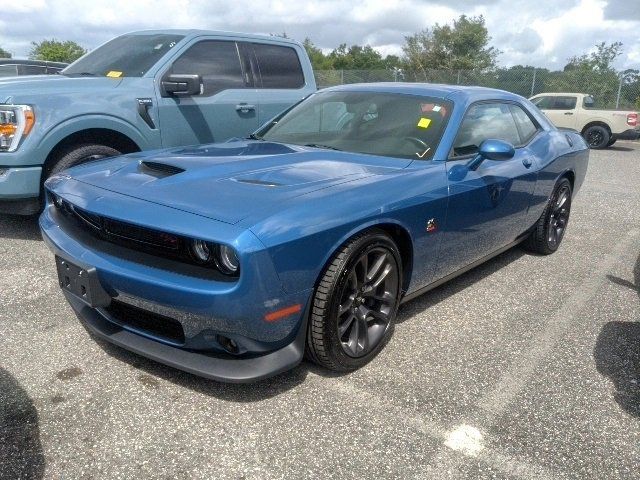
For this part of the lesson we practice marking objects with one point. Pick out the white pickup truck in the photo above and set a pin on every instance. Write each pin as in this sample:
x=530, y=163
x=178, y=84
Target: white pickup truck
x=600, y=128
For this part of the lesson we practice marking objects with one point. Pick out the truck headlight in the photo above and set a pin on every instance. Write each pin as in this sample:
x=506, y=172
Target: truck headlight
x=16, y=121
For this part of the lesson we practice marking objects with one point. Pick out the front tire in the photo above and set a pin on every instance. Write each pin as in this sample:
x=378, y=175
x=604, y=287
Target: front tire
x=355, y=303
x=549, y=230
x=79, y=154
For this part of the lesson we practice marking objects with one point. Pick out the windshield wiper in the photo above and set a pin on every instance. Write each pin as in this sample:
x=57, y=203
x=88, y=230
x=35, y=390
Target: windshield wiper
x=253, y=136
x=319, y=145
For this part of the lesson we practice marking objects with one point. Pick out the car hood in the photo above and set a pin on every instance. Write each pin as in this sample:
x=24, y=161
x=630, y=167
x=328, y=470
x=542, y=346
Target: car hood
x=47, y=84
x=229, y=181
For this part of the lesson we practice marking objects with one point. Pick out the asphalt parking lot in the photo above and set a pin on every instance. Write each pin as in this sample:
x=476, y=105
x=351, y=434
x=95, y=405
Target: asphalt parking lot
x=526, y=367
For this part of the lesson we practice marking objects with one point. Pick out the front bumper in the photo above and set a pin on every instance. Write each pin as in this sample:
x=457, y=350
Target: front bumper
x=631, y=134
x=219, y=368
x=20, y=190
x=206, y=308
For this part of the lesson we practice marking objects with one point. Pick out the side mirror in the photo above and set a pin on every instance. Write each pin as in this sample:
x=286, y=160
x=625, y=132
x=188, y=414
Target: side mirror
x=492, y=149
x=180, y=84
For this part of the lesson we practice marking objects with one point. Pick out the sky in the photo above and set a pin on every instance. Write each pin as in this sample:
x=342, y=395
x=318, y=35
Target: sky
x=542, y=33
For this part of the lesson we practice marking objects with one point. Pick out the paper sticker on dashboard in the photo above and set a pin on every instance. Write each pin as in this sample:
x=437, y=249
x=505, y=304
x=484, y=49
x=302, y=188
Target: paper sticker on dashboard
x=424, y=122
x=114, y=74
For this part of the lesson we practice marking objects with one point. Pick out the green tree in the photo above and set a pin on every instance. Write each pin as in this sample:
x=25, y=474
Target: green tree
x=319, y=60
x=56, y=51
x=461, y=46
x=599, y=61
x=356, y=57
x=4, y=53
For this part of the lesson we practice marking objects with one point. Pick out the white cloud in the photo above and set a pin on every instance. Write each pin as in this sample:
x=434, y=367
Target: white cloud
x=540, y=33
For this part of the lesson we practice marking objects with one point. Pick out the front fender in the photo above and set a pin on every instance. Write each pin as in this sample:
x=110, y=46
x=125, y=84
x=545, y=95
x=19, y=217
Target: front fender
x=91, y=121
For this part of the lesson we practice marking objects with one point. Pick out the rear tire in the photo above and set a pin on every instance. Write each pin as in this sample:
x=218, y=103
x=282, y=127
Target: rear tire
x=549, y=230
x=79, y=154
x=597, y=137
x=355, y=303
x=611, y=142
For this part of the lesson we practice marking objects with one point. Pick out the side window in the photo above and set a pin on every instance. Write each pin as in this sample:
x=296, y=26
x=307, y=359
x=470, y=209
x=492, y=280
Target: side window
x=564, y=103
x=544, y=103
x=588, y=102
x=8, y=70
x=326, y=117
x=483, y=121
x=216, y=61
x=279, y=66
x=32, y=70
x=526, y=127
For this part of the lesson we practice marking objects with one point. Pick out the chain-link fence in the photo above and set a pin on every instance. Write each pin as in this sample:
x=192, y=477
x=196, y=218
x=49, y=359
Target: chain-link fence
x=610, y=90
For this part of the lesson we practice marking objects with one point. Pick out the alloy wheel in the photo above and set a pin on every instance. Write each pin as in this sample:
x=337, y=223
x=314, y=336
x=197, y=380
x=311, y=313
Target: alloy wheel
x=367, y=302
x=559, y=216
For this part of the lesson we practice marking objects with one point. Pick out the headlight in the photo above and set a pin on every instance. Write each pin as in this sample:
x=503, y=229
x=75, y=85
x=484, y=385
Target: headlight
x=222, y=256
x=227, y=260
x=16, y=121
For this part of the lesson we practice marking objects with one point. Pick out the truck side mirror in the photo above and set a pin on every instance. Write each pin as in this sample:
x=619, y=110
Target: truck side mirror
x=181, y=84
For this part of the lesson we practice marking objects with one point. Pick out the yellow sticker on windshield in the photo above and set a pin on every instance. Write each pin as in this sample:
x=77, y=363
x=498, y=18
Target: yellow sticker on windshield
x=424, y=122
x=114, y=74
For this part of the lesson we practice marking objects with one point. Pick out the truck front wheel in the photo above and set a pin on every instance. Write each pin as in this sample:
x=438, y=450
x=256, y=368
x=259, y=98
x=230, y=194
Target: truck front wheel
x=597, y=137
x=78, y=154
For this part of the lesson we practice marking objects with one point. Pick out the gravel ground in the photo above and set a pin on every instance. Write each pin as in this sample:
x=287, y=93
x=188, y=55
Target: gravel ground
x=525, y=367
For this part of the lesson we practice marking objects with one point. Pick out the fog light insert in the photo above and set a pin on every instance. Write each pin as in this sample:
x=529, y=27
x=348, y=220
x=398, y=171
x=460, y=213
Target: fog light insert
x=229, y=345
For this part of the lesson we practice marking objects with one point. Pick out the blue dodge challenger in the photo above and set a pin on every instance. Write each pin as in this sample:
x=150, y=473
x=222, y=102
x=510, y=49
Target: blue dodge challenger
x=234, y=260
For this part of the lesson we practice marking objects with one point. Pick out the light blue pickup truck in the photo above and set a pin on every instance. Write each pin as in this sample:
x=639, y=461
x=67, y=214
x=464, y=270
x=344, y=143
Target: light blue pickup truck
x=142, y=91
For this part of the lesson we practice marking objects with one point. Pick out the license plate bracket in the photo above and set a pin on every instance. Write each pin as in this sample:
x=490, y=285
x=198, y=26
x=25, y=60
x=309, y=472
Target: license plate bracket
x=82, y=283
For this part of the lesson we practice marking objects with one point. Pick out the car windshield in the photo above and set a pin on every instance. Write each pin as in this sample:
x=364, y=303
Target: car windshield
x=125, y=56
x=387, y=124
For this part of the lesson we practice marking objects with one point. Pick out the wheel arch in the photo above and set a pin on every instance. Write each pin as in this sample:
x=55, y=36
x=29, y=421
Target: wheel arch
x=596, y=123
x=400, y=236
x=103, y=136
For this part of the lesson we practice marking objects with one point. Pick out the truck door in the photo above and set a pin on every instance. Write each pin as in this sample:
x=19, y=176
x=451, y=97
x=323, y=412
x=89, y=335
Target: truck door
x=280, y=77
x=560, y=110
x=227, y=106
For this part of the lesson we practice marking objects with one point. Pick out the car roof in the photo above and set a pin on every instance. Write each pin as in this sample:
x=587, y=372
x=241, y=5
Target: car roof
x=429, y=89
x=559, y=94
x=218, y=33
x=41, y=63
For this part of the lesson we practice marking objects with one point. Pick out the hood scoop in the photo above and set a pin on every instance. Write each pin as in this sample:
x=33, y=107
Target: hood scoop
x=264, y=183
x=160, y=170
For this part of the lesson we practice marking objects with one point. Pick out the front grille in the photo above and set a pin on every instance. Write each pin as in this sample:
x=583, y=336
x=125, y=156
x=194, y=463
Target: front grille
x=148, y=240
x=148, y=322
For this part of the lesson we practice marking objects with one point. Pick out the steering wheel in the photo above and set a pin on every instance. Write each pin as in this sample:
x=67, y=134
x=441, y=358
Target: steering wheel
x=420, y=143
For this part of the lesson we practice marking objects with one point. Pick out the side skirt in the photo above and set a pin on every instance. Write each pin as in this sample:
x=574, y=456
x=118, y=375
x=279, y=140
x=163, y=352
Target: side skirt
x=464, y=269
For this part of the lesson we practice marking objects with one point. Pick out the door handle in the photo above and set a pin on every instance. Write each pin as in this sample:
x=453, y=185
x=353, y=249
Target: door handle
x=568, y=113
x=527, y=162
x=244, y=107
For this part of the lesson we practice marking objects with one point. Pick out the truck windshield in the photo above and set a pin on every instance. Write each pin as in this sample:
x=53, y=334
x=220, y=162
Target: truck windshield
x=125, y=56
x=375, y=123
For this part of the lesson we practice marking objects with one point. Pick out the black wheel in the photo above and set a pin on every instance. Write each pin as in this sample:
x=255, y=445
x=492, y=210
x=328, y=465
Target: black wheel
x=355, y=303
x=611, y=142
x=80, y=154
x=597, y=137
x=549, y=230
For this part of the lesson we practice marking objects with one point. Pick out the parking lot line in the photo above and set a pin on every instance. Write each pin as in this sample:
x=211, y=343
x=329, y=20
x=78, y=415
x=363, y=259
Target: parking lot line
x=516, y=378
x=502, y=462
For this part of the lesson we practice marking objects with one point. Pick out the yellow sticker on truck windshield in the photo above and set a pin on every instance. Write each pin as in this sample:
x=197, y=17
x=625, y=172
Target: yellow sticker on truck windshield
x=114, y=74
x=424, y=122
